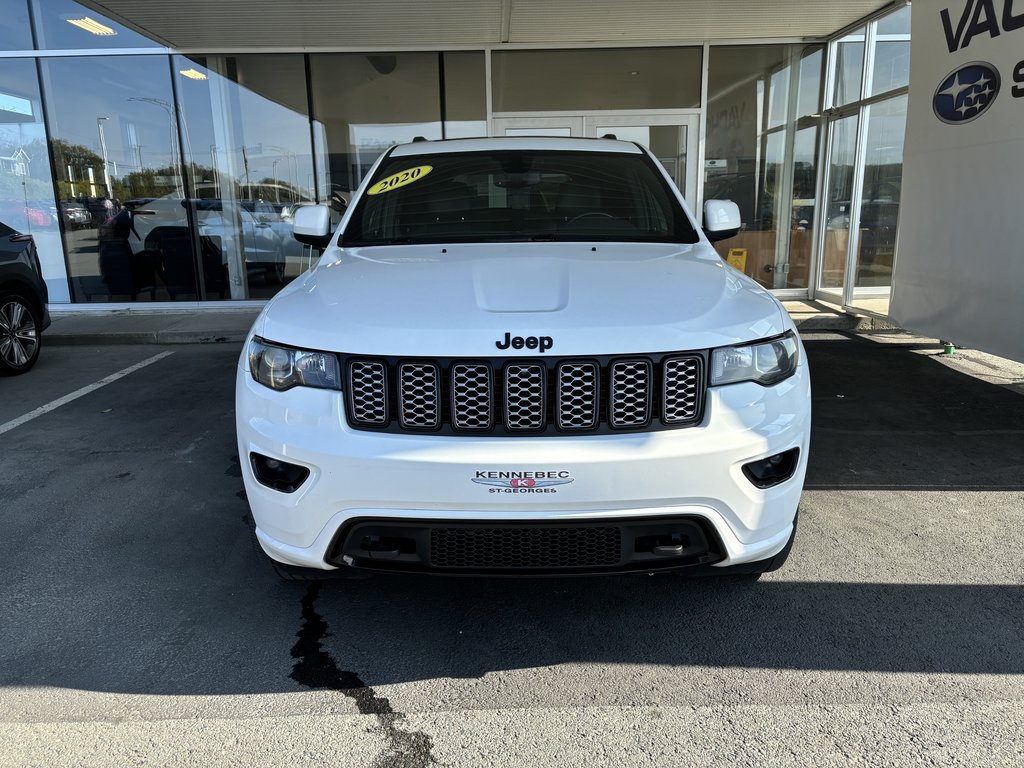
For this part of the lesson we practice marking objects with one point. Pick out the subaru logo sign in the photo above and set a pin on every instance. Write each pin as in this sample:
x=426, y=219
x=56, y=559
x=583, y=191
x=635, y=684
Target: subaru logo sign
x=966, y=93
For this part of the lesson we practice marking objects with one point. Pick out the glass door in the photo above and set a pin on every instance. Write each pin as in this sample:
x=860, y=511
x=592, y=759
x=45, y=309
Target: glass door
x=672, y=139
x=538, y=126
x=875, y=251
x=839, y=219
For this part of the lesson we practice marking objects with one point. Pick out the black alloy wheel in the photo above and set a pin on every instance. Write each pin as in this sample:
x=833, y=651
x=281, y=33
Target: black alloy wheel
x=19, y=335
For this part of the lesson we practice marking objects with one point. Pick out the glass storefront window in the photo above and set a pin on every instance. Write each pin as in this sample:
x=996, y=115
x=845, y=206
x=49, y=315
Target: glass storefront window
x=249, y=161
x=605, y=79
x=26, y=183
x=115, y=149
x=64, y=24
x=465, y=95
x=762, y=155
x=808, y=99
x=365, y=103
x=15, y=32
x=880, y=201
x=849, y=68
x=839, y=197
x=891, y=68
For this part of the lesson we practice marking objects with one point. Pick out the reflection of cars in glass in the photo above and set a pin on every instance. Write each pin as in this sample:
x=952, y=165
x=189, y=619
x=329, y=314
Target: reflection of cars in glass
x=23, y=296
x=75, y=215
x=879, y=219
x=99, y=208
x=523, y=356
x=159, y=228
x=279, y=219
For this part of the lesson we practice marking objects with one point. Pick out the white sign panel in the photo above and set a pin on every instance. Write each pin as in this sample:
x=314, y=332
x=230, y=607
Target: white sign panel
x=959, y=275
x=15, y=104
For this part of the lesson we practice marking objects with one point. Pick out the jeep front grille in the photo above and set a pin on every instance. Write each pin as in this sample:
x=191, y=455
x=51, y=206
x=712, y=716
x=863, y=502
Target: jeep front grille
x=578, y=403
x=368, y=385
x=511, y=397
x=419, y=396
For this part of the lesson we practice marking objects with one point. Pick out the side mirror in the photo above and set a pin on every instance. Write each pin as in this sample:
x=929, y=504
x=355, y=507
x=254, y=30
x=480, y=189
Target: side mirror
x=721, y=219
x=312, y=225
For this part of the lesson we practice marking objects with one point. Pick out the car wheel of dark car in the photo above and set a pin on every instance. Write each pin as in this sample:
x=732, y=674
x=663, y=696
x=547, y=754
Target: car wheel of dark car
x=19, y=334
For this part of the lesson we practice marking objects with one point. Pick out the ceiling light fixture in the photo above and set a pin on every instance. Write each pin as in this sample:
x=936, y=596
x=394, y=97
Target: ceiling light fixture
x=93, y=26
x=192, y=74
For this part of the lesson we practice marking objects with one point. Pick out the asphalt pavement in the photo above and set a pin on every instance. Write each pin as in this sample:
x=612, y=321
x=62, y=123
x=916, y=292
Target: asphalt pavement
x=140, y=626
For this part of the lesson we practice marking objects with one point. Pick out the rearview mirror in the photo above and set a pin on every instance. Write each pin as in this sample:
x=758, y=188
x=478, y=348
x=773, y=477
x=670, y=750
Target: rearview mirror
x=721, y=219
x=312, y=225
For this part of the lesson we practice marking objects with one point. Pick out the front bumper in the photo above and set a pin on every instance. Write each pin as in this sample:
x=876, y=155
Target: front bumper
x=684, y=474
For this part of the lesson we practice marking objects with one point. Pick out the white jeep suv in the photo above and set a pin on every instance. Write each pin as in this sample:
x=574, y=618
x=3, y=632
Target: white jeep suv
x=522, y=356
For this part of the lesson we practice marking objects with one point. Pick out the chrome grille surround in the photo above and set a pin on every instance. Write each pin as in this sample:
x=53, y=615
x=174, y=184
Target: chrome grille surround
x=472, y=400
x=630, y=383
x=419, y=395
x=368, y=392
x=681, y=389
x=578, y=387
x=526, y=403
x=526, y=397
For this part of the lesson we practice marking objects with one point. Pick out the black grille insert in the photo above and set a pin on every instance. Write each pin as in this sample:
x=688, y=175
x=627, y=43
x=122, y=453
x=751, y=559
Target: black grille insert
x=525, y=548
x=520, y=547
x=509, y=397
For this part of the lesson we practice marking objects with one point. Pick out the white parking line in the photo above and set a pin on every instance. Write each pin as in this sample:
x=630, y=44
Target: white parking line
x=53, y=405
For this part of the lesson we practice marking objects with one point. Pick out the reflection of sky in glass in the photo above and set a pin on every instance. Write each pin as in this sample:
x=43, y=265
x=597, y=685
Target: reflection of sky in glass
x=805, y=146
x=896, y=23
x=779, y=97
x=849, y=66
x=886, y=127
x=80, y=90
x=809, y=85
x=268, y=142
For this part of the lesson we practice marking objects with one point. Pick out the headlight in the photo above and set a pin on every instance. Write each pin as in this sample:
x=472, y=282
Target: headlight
x=282, y=368
x=768, y=362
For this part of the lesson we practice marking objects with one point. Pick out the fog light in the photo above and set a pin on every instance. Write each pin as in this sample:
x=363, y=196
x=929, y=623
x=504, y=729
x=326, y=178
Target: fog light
x=773, y=470
x=277, y=474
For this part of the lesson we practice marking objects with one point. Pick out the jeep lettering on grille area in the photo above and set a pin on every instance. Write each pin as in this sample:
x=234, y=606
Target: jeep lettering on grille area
x=540, y=343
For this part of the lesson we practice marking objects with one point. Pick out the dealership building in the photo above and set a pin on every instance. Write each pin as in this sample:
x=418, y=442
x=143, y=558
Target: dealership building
x=214, y=120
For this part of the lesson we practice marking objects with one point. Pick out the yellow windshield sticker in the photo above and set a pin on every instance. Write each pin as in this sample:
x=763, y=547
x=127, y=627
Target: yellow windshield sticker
x=399, y=179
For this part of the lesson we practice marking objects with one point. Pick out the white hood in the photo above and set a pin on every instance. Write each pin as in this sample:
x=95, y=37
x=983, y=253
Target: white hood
x=458, y=300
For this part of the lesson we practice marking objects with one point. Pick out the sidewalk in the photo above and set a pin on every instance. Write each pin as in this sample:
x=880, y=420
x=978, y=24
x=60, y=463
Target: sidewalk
x=230, y=326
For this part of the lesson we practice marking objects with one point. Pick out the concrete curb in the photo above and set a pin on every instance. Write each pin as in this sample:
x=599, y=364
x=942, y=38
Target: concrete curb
x=151, y=337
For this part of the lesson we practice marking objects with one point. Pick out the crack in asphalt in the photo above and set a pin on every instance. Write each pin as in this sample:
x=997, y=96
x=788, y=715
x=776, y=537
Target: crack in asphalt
x=315, y=668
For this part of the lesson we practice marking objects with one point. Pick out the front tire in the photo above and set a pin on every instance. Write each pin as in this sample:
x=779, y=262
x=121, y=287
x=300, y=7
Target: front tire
x=20, y=338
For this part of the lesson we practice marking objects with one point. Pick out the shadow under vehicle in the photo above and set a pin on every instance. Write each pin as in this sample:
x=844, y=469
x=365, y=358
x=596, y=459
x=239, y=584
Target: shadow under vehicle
x=23, y=296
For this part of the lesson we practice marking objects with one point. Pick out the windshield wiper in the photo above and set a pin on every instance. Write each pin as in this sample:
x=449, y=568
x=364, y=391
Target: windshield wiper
x=546, y=237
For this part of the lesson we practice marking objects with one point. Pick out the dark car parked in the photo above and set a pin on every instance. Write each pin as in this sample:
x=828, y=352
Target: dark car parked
x=23, y=311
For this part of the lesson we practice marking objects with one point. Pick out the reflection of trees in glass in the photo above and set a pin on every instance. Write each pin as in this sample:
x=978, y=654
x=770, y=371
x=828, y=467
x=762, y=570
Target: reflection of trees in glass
x=78, y=160
x=79, y=157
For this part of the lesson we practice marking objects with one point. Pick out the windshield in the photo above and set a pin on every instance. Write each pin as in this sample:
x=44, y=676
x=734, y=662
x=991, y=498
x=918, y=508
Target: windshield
x=517, y=195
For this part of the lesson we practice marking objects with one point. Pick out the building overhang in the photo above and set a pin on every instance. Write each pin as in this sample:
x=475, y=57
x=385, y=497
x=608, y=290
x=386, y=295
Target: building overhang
x=201, y=25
